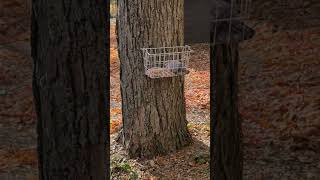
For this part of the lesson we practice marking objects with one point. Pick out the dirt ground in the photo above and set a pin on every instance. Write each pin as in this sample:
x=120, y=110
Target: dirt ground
x=279, y=93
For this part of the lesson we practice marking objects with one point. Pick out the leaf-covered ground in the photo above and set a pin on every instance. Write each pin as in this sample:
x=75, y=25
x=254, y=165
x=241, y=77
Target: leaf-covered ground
x=279, y=92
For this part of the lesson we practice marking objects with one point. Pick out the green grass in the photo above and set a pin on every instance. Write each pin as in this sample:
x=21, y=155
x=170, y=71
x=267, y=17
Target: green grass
x=124, y=169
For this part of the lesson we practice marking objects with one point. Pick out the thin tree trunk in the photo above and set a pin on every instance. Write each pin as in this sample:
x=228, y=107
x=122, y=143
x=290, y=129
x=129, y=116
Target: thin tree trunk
x=69, y=41
x=154, y=115
x=226, y=150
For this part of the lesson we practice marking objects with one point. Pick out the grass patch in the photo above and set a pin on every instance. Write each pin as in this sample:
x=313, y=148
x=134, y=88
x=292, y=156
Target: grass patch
x=124, y=170
x=202, y=158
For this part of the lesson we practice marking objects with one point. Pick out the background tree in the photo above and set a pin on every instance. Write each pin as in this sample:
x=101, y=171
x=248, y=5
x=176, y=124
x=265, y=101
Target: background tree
x=69, y=43
x=154, y=114
x=226, y=151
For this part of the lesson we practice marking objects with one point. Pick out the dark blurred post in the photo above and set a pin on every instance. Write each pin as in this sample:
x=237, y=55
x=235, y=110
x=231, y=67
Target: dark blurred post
x=69, y=51
x=225, y=36
x=226, y=152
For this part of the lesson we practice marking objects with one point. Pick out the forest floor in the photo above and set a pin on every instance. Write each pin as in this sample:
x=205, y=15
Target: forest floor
x=279, y=94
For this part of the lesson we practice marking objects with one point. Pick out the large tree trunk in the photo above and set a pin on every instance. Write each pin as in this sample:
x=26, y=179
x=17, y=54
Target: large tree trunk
x=226, y=149
x=154, y=117
x=69, y=42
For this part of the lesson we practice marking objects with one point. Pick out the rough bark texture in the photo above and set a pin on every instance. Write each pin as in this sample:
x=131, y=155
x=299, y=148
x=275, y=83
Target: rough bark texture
x=226, y=150
x=154, y=117
x=69, y=42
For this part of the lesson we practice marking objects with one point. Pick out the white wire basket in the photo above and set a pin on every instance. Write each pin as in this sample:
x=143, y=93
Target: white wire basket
x=166, y=61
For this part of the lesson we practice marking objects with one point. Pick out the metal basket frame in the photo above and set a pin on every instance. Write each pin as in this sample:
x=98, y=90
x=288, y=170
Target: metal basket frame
x=166, y=61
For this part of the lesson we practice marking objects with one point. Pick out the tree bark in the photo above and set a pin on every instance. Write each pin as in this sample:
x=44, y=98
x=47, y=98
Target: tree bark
x=226, y=151
x=154, y=114
x=69, y=50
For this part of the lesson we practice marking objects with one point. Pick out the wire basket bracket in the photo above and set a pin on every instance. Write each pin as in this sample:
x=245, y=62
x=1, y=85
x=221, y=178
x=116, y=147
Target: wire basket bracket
x=166, y=61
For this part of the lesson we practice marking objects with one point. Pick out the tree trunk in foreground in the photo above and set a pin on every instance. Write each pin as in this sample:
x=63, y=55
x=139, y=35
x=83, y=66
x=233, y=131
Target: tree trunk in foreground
x=226, y=150
x=69, y=41
x=154, y=114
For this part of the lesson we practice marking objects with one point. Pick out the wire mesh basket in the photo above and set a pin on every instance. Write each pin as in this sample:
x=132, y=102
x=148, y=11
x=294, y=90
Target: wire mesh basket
x=228, y=18
x=166, y=61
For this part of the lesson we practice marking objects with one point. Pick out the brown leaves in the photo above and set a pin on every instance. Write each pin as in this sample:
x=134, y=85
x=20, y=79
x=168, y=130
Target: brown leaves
x=21, y=157
x=198, y=98
x=115, y=126
x=116, y=120
x=198, y=89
